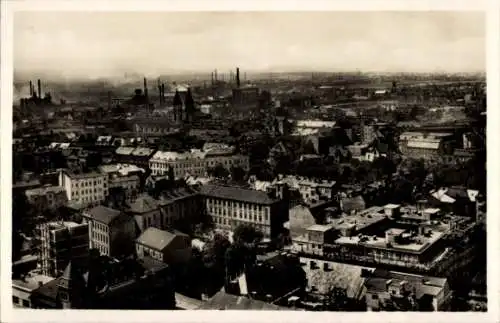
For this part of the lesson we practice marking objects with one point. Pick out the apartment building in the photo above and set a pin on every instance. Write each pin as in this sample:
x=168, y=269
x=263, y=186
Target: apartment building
x=176, y=208
x=195, y=162
x=230, y=207
x=126, y=177
x=110, y=231
x=84, y=188
x=61, y=242
x=389, y=290
x=47, y=197
x=168, y=246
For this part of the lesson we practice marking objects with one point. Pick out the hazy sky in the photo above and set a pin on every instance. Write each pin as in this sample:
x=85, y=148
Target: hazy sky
x=107, y=43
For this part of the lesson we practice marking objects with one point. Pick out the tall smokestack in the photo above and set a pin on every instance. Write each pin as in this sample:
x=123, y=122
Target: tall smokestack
x=31, y=88
x=238, y=77
x=159, y=91
x=212, y=78
x=109, y=100
x=39, y=89
x=146, y=89
x=163, y=93
x=215, y=75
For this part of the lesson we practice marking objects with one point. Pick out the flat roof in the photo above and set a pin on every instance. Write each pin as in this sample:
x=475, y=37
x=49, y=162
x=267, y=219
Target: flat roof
x=320, y=227
x=360, y=220
x=380, y=243
x=391, y=206
x=31, y=282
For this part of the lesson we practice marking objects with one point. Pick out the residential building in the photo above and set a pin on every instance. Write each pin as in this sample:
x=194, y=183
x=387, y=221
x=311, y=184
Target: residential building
x=47, y=197
x=389, y=290
x=61, y=242
x=195, y=162
x=246, y=95
x=168, y=246
x=110, y=231
x=303, y=216
x=225, y=301
x=84, y=188
x=176, y=208
x=229, y=207
x=23, y=286
x=311, y=190
x=155, y=127
x=138, y=156
x=125, y=177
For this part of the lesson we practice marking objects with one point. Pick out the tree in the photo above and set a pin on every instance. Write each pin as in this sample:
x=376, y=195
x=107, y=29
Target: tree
x=237, y=173
x=245, y=234
x=219, y=171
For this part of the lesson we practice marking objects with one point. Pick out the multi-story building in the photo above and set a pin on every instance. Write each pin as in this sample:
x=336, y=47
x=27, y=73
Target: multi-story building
x=61, y=242
x=195, y=162
x=84, y=188
x=388, y=290
x=110, y=231
x=176, y=208
x=139, y=156
x=47, y=197
x=230, y=207
x=429, y=146
x=125, y=177
x=168, y=246
x=23, y=286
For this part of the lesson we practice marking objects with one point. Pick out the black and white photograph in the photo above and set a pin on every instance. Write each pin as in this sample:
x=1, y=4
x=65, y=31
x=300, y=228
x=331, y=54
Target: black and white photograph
x=305, y=161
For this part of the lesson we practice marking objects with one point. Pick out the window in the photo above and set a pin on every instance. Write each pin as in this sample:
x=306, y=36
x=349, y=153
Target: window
x=15, y=299
x=26, y=303
x=375, y=296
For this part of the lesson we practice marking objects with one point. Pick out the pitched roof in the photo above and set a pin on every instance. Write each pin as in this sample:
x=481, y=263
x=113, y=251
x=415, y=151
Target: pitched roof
x=144, y=203
x=237, y=194
x=224, y=301
x=158, y=239
x=103, y=214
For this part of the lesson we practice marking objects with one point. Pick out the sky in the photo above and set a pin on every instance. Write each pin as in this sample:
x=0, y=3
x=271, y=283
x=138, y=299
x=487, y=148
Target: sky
x=112, y=43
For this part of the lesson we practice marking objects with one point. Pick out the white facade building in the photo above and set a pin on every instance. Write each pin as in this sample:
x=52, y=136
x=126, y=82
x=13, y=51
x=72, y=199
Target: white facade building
x=84, y=188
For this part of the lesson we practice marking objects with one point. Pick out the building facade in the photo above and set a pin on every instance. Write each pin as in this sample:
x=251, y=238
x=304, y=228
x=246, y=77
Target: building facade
x=85, y=188
x=110, y=231
x=195, y=162
x=229, y=207
x=47, y=197
x=60, y=242
x=168, y=246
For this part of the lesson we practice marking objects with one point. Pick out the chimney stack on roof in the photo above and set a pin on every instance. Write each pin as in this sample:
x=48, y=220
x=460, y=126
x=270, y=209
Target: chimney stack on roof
x=215, y=75
x=238, y=77
x=31, y=89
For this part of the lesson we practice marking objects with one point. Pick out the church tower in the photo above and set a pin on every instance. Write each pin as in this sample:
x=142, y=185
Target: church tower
x=177, y=107
x=71, y=288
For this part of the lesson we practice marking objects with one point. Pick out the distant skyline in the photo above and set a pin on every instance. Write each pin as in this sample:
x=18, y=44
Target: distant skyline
x=108, y=44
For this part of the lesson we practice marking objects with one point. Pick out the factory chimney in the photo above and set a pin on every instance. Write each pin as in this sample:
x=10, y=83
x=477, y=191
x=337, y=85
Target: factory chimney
x=109, y=100
x=31, y=89
x=146, y=90
x=159, y=91
x=215, y=75
x=238, y=77
x=39, y=89
x=163, y=93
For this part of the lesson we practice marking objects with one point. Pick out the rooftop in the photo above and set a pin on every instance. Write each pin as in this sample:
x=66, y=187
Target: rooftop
x=224, y=301
x=122, y=169
x=74, y=175
x=103, y=214
x=358, y=221
x=237, y=194
x=158, y=239
x=416, y=245
x=31, y=281
x=320, y=227
x=144, y=203
x=44, y=190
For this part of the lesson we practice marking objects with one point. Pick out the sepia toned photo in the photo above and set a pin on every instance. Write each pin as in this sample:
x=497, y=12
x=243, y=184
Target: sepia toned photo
x=319, y=161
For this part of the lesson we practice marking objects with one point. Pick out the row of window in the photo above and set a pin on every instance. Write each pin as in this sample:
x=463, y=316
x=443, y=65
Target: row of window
x=17, y=301
x=87, y=183
x=149, y=252
x=103, y=238
x=241, y=214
